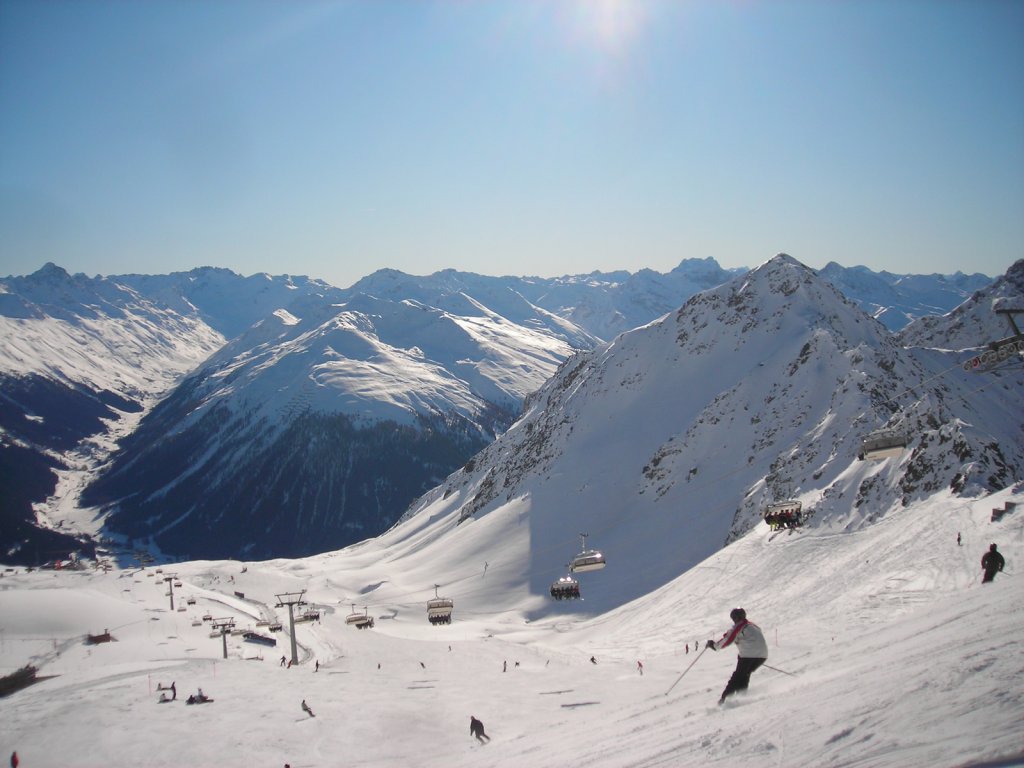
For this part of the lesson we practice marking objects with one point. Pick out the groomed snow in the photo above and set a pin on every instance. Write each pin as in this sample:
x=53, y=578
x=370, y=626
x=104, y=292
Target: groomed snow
x=896, y=655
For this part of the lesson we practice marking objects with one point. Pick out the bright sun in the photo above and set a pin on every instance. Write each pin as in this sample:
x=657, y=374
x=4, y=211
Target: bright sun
x=609, y=24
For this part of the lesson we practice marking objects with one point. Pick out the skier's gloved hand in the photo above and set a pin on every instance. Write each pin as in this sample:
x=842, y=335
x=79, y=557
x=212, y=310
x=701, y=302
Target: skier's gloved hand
x=711, y=644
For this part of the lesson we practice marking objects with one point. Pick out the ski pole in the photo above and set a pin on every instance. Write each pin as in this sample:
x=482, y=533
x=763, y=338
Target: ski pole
x=776, y=669
x=685, y=671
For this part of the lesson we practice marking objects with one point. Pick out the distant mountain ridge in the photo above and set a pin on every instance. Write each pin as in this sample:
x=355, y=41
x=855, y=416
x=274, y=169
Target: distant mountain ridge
x=897, y=300
x=286, y=377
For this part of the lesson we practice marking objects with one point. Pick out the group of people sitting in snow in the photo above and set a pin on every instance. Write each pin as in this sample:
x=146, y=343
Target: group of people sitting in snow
x=194, y=698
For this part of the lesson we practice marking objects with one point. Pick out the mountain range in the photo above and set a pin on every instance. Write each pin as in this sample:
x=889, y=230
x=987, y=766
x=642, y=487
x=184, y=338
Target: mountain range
x=662, y=450
x=203, y=414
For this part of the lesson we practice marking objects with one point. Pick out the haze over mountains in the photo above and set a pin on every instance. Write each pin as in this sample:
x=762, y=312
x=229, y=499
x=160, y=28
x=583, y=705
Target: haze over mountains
x=263, y=416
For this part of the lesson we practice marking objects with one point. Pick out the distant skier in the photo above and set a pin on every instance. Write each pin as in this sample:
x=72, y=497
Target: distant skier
x=306, y=709
x=476, y=728
x=993, y=563
x=640, y=666
x=959, y=541
x=174, y=691
x=593, y=660
x=753, y=650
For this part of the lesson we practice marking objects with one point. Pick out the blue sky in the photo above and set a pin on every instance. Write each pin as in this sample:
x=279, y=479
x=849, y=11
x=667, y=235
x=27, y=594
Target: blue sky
x=529, y=138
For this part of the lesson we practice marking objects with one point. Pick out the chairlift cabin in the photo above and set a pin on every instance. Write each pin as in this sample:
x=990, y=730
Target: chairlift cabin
x=439, y=610
x=784, y=514
x=881, y=444
x=587, y=559
x=308, y=615
x=177, y=584
x=275, y=626
x=191, y=601
x=359, y=620
x=566, y=588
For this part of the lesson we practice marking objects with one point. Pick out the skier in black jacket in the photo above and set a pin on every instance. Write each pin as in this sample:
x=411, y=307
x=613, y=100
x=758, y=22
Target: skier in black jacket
x=992, y=562
x=476, y=728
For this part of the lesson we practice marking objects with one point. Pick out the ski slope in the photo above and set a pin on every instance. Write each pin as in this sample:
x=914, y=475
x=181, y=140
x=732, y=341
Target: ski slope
x=892, y=653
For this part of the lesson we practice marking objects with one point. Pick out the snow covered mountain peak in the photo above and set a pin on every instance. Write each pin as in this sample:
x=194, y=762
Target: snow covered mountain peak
x=758, y=391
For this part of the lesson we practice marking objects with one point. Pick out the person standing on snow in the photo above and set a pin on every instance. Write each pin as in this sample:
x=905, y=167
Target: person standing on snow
x=993, y=563
x=753, y=650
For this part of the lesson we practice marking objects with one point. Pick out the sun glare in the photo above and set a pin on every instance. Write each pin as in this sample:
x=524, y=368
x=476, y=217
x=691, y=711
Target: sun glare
x=611, y=25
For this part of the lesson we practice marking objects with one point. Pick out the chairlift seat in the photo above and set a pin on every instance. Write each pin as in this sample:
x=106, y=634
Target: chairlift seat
x=439, y=610
x=566, y=588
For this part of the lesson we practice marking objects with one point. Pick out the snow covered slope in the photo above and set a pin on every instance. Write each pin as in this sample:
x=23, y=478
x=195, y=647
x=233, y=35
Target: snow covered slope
x=664, y=446
x=97, y=332
x=756, y=392
x=884, y=648
x=80, y=359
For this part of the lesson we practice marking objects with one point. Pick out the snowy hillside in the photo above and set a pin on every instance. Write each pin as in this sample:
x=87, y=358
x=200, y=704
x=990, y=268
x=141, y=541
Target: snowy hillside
x=757, y=392
x=884, y=648
x=318, y=426
x=81, y=360
x=97, y=332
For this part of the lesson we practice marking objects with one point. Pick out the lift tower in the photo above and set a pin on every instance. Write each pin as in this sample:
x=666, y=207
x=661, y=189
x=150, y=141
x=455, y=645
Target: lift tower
x=291, y=599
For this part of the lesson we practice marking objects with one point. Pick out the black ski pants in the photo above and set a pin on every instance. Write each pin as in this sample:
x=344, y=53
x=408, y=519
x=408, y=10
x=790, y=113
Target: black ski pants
x=741, y=675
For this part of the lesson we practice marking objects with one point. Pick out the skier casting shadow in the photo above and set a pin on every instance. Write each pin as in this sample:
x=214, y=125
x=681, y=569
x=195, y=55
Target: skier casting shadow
x=753, y=651
x=476, y=728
